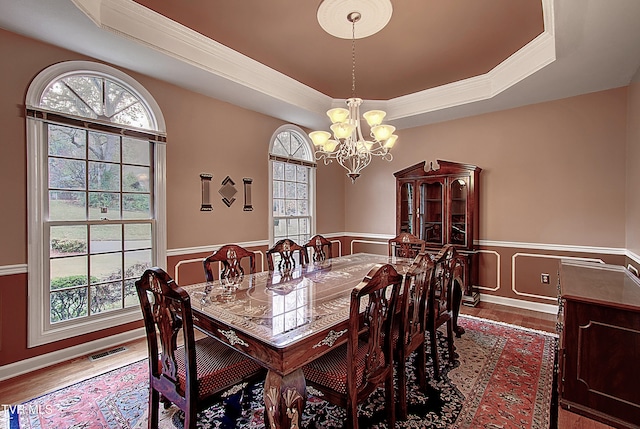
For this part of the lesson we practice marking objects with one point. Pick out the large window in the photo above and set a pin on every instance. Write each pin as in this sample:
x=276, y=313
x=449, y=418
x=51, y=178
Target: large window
x=292, y=185
x=96, y=204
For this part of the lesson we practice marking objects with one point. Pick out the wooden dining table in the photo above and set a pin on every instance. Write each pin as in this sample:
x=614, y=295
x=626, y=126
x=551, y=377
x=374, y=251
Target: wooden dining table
x=284, y=321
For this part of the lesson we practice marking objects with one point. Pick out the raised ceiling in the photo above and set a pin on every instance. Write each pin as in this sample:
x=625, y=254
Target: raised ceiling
x=427, y=43
x=585, y=46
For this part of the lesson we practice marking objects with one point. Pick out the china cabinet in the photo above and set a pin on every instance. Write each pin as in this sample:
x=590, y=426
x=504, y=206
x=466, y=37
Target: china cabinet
x=599, y=345
x=439, y=204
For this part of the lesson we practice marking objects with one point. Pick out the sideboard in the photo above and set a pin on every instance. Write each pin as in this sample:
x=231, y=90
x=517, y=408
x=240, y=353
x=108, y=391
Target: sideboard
x=599, y=347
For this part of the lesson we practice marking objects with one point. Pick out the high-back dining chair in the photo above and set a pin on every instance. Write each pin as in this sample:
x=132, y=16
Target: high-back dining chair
x=320, y=248
x=410, y=334
x=440, y=303
x=191, y=376
x=231, y=256
x=348, y=374
x=286, y=249
x=406, y=245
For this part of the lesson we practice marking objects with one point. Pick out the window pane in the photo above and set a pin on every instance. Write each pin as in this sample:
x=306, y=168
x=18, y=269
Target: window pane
x=66, y=174
x=135, y=179
x=136, y=262
x=136, y=206
x=279, y=228
x=68, y=304
x=136, y=151
x=104, y=205
x=68, y=272
x=290, y=190
x=105, y=267
x=106, y=297
x=105, y=238
x=104, y=147
x=278, y=170
x=130, y=293
x=289, y=172
x=68, y=240
x=67, y=142
x=292, y=227
x=291, y=208
x=137, y=236
x=278, y=208
x=124, y=108
x=303, y=208
x=304, y=226
x=278, y=189
x=301, y=191
x=104, y=177
x=302, y=174
x=67, y=205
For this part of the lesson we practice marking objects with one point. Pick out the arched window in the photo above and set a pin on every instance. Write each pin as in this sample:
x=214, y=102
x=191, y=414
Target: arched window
x=96, y=157
x=292, y=177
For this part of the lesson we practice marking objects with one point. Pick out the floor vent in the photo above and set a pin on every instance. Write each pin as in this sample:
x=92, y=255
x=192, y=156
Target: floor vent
x=107, y=353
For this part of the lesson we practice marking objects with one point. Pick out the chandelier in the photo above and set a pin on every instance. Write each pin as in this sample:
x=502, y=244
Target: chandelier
x=346, y=142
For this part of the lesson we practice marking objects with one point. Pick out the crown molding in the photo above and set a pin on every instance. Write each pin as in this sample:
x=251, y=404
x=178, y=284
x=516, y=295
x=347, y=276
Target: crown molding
x=135, y=22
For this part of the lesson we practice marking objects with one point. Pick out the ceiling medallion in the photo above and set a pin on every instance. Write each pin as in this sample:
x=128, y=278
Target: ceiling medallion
x=346, y=144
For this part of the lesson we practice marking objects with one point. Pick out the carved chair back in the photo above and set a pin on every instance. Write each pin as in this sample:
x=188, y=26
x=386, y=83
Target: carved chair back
x=230, y=256
x=285, y=250
x=348, y=377
x=412, y=328
x=406, y=245
x=318, y=244
x=167, y=307
x=447, y=264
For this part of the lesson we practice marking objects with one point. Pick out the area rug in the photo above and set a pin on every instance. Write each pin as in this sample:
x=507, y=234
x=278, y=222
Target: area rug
x=503, y=377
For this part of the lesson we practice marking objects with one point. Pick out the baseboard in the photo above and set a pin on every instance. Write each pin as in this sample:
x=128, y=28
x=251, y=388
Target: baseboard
x=27, y=365
x=519, y=303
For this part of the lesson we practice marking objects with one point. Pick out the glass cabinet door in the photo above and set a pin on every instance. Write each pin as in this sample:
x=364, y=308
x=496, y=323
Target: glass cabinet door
x=406, y=208
x=430, y=218
x=458, y=222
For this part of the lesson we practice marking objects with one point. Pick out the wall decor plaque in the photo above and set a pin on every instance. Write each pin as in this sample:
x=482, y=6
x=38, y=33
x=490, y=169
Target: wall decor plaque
x=228, y=191
x=205, y=181
x=247, y=194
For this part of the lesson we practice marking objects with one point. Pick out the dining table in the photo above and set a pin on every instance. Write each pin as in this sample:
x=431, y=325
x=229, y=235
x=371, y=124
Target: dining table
x=284, y=320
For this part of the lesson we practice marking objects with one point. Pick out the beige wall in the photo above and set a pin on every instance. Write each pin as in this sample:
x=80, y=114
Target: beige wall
x=204, y=136
x=633, y=170
x=553, y=172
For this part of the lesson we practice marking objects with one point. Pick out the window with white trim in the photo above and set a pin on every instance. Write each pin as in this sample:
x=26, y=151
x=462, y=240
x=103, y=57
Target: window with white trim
x=292, y=178
x=96, y=157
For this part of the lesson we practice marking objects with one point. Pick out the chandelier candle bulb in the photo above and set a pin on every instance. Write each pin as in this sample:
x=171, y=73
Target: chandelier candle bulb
x=338, y=115
x=374, y=117
x=382, y=132
x=320, y=138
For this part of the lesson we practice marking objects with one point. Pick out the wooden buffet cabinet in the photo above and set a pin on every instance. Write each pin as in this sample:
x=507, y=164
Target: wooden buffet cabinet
x=439, y=204
x=599, y=348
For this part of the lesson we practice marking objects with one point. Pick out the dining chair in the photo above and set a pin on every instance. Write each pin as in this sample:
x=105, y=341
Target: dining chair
x=317, y=245
x=410, y=333
x=440, y=303
x=230, y=255
x=191, y=376
x=406, y=245
x=348, y=374
x=285, y=249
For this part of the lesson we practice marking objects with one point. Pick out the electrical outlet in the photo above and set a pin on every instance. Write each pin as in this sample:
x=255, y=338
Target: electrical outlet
x=544, y=278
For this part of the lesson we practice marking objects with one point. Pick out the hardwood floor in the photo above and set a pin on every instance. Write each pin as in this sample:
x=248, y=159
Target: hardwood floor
x=22, y=388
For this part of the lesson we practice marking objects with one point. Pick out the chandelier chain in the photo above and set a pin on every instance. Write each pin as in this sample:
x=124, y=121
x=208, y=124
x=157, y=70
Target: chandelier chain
x=353, y=58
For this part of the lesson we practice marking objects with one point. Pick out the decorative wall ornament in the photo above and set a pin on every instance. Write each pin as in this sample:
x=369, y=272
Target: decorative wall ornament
x=247, y=194
x=205, y=180
x=228, y=191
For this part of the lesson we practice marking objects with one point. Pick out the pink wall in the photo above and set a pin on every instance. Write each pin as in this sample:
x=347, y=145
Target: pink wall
x=552, y=172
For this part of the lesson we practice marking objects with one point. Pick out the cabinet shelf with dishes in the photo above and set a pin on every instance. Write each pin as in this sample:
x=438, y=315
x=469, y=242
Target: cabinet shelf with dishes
x=439, y=204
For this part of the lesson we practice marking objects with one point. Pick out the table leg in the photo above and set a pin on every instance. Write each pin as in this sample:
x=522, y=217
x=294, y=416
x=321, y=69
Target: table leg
x=284, y=399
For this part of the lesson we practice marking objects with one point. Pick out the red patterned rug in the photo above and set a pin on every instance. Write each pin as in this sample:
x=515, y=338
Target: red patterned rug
x=503, y=377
